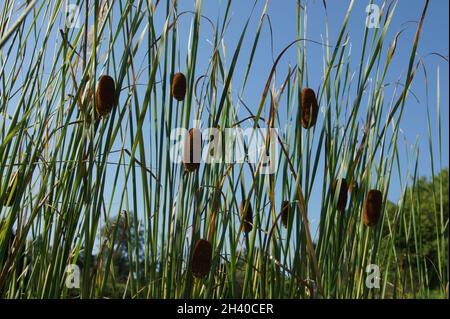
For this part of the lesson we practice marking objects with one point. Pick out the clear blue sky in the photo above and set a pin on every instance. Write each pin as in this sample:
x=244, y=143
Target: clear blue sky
x=283, y=18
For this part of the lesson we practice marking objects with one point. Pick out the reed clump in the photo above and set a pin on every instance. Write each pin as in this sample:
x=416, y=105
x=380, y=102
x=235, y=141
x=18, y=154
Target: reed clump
x=247, y=216
x=310, y=108
x=201, y=259
x=106, y=93
x=179, y=86
x=124, y=212
x=192, y=150
x=372, y=207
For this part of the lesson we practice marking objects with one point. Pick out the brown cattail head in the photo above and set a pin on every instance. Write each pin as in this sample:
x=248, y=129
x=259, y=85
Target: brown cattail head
x=310, y=108
x=201, y=259
x=247, y=215
x=372, y=207
x=106, y=94
x=179, y=86
x=353, y=188
x=192, y=150
x=342, y=193
x=285, y=212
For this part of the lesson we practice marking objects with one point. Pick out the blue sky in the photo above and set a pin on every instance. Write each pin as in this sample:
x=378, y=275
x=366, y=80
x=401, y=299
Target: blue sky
x=283, y=16
x=434, y=38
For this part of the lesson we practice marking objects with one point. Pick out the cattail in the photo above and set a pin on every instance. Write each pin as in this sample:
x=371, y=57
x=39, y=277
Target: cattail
x=247, y=216
x=106, y=94
x=192, y=150
x=201, y=259
x=342, y=194
x=372, y=207
x=179, y=86
x=310, y=108
x=285, y=212
x=353, y=188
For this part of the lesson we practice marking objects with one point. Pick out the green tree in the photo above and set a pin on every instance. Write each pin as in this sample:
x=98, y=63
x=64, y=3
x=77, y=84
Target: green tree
x=121, y=238
x=422, y=242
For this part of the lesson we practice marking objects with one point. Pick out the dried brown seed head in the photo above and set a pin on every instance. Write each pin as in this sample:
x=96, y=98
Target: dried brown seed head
x=310, y=108
x=285, y=212
x=342, y=193
x=192, y=150
x=201, y=259
x=106, y=94
x=179, y=86
x=372, y=207
x=247, y=215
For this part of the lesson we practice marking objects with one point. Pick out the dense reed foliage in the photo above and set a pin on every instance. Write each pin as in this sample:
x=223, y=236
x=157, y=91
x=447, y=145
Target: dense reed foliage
x=86, y=175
